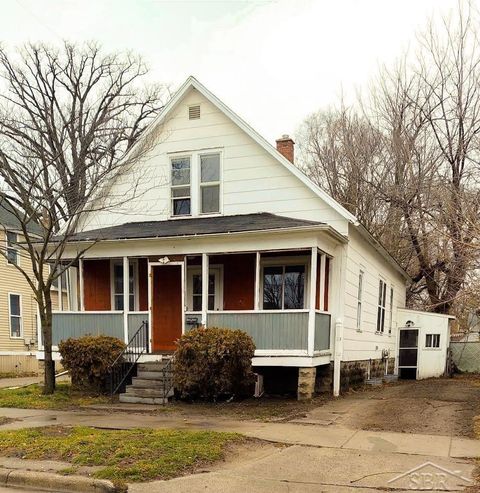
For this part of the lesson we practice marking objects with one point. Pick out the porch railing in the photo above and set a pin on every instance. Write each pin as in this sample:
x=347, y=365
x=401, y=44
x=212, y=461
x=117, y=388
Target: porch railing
x=78, y=324
x=272, y=330
x=123, y=365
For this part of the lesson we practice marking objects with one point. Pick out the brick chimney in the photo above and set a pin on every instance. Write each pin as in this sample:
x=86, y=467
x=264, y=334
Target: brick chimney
x=285, y=146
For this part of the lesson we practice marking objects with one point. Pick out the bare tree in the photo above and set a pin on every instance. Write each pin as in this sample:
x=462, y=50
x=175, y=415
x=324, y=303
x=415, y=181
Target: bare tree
x=423, y=177
x=70, y=119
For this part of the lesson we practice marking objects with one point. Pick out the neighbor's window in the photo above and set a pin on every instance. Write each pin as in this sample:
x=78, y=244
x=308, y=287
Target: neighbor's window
x=209, y=183
x=12, y=248
x=390, y=320
x=181, y=189
x=382, y=294
x=432, y=340
x=359, y=300
x=15, y=310
x=118, y=286
x=284, y=287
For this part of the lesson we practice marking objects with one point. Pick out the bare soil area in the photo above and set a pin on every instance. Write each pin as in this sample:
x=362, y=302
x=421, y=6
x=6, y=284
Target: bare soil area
x=440, y=406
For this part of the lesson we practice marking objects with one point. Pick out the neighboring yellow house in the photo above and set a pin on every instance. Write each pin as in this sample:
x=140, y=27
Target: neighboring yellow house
x=18, y=309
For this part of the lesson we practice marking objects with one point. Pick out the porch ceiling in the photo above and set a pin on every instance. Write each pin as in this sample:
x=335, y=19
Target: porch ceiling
x=196, y=226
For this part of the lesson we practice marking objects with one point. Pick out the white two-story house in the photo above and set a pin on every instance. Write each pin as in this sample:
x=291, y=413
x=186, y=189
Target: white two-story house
x=227, y=232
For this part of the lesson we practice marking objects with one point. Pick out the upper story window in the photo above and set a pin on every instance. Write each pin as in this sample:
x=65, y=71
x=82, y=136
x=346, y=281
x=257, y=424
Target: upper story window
x=181, y=186
x=195, y=184
x=12, y=248
x=210, y=183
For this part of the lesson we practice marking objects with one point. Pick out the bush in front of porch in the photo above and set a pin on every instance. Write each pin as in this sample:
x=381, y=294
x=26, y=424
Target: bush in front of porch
x=214, y=363
x=88, y=359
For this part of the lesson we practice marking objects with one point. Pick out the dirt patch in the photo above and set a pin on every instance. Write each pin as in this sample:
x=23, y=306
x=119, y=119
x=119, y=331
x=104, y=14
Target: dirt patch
x=442, y=406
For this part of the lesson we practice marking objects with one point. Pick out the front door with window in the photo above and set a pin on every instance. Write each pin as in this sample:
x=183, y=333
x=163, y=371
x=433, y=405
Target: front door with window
x=408, y=353
x=167, y=306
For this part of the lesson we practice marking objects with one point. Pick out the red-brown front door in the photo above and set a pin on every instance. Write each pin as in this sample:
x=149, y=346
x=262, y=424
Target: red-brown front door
x=167, y=309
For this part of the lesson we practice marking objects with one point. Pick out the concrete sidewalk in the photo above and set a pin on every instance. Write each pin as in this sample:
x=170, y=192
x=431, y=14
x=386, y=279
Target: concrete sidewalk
x=296, y=434
x=19, y=381
x=300, y=469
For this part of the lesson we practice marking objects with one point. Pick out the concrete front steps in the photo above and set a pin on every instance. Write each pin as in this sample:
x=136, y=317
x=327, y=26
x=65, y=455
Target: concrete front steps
x=148, y=386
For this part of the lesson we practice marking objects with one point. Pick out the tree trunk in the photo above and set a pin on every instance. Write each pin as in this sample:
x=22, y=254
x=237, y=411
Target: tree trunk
x=46, y=321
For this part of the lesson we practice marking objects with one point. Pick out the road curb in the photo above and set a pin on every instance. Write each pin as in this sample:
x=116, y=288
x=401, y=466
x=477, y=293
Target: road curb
x=19, y=478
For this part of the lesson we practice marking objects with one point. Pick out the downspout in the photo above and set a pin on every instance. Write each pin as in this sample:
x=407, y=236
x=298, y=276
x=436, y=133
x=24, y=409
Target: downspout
x=337, y=357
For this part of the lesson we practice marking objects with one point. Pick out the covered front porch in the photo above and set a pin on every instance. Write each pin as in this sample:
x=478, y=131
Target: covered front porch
x=280, y=297
x=269, y=275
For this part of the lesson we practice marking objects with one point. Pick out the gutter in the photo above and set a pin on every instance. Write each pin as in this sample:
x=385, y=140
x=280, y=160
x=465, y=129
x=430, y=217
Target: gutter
x=327, y=228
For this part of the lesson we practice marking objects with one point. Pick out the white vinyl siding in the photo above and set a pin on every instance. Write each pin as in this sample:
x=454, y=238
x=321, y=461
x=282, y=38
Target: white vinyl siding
x=251, y=179
x=368, y=344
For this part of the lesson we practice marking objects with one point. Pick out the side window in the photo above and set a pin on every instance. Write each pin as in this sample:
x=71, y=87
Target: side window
x=390, y=320
x=15, y=312
x=181, y=195
x=12, y=248
x=382, y=294
x=359, y=299
x=210, y=183
x=432, y=340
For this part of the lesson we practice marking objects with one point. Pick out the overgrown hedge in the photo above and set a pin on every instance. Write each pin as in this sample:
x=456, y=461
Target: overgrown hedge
x=213, y=363
x=88, y=359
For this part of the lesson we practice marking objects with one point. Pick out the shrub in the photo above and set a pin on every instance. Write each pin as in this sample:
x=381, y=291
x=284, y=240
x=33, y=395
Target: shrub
x=211, y=363
x=88, y=359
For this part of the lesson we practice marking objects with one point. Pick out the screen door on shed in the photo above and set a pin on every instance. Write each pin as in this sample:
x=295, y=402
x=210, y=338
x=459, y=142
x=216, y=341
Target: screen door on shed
x=408, y=354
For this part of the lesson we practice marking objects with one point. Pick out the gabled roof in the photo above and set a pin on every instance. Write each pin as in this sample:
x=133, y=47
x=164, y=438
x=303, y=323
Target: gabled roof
x=240, y=223
x=9, y=218
x=191, y=82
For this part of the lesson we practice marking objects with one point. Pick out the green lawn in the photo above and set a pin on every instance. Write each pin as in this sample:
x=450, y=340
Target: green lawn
x=123, y=455
x=31, y=397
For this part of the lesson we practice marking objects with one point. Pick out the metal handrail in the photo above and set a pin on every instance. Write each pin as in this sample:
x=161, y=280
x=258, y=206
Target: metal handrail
x=124, y=363
x=167, y=374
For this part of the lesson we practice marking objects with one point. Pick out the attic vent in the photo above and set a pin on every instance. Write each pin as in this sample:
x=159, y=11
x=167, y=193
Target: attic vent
x=194, y=112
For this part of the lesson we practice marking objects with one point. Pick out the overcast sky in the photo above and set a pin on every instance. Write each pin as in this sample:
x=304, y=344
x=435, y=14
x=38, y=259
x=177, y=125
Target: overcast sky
x=273, y=62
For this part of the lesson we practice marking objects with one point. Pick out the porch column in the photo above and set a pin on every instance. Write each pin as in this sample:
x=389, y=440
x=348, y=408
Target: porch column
x=257, y=282
x=82, y=294
x=311, y=305
x=126, y=297
x=205, y=273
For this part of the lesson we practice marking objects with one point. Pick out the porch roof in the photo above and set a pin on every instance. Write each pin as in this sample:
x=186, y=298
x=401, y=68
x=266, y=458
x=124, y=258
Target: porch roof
x=196, y=226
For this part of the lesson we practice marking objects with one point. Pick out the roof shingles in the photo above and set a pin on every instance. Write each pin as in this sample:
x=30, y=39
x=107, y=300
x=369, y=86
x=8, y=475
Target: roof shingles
x=194, y=226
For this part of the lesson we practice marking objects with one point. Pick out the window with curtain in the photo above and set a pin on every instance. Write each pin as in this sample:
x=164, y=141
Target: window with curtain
x=181, y=189
x=15, y=311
